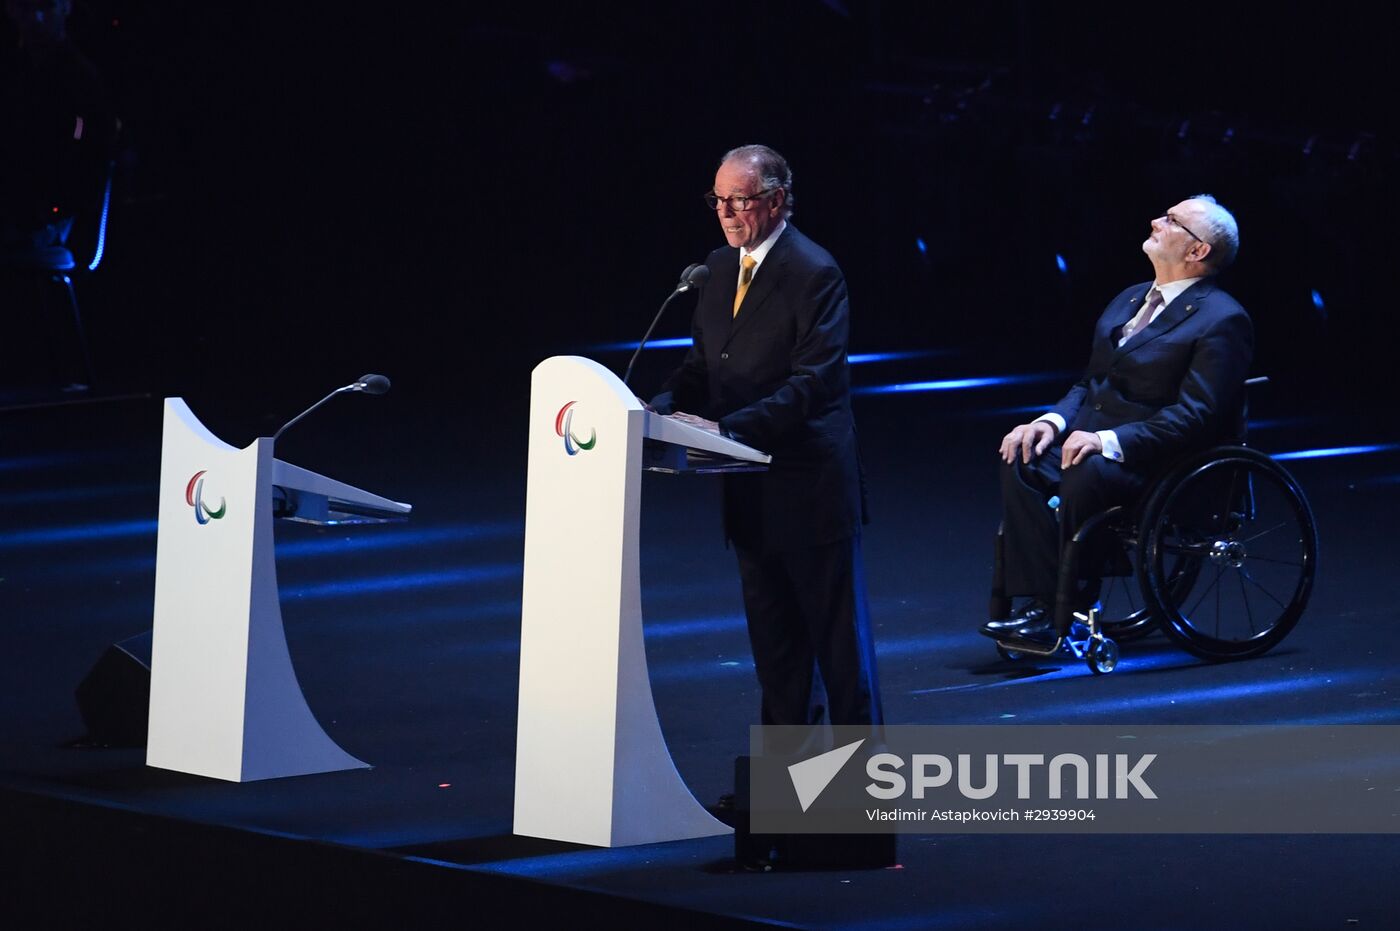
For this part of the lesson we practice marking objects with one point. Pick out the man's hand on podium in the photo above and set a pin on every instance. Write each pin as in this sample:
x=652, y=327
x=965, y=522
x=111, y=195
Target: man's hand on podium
x=707, y=425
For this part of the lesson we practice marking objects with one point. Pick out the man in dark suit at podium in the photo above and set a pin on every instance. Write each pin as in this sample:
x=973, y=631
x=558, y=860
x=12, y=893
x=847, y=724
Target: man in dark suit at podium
x=1165, y=377
x=768, y=368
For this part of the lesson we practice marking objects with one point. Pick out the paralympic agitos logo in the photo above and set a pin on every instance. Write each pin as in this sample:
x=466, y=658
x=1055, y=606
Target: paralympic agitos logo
x=194, y=497
x=564, y=427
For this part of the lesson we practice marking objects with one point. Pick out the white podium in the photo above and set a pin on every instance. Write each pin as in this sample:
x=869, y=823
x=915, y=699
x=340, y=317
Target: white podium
x=591, y=765
x=224, y=698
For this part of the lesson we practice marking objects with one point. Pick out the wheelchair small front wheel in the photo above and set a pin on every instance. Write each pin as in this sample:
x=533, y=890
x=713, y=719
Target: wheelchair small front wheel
x=1102, y=656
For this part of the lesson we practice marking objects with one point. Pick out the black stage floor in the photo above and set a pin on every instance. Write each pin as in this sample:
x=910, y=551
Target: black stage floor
x=405, y=642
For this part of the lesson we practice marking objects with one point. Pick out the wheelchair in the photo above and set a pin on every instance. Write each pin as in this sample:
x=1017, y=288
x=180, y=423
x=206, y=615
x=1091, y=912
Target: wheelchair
x=1219, y=553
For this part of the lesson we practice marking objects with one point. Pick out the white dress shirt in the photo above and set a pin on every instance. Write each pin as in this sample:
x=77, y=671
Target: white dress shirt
x=761, y=251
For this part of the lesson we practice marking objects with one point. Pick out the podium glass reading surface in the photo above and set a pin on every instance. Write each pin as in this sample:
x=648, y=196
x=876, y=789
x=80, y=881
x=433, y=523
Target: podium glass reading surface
x=591, y=763
x=677, y=460
x=303, y=496
x=674, y=447
x=290, y=504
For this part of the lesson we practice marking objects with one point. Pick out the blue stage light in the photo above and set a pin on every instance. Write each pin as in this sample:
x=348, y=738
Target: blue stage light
x=78, y=493
x=1210, y=697
x=101, y=229
x=471, y=575
x=362, y=539
x=1281, y=423
x=95, y=568
x=861, y=358
x=1335, y=451
x=1317, y=300
x=952, y=384
x=578, y=863
x=104, y=531
x=682, y=342
x=17, y=463
x=482, y=614
x=1067, y=670
x=665, y=630
x=921, y=246
x=958, y=384
x=1060, y=264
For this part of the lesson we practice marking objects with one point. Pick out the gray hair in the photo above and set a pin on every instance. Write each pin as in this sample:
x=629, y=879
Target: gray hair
x=772, y=170
x=1221, y=231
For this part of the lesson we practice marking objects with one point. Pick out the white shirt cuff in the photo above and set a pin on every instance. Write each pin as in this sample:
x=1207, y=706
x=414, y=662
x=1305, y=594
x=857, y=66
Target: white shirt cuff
x=1054, y=420
x=1112, y=449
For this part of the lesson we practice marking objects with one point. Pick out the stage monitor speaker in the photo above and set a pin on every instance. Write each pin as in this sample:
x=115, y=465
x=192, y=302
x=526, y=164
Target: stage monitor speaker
x=115, y=697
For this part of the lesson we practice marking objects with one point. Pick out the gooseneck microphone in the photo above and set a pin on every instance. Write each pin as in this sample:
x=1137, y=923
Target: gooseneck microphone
x=370, y=384
x=693, y=278
x=684, y=283
x=365, y=384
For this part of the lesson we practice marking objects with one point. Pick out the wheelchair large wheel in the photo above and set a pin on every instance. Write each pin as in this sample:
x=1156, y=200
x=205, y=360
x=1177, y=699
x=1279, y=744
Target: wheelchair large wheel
x=1229, y=549
x=1129, y=612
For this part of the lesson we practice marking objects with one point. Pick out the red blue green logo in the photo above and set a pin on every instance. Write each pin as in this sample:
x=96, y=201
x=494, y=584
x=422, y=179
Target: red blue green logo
x=563, y=426
x=194, y=497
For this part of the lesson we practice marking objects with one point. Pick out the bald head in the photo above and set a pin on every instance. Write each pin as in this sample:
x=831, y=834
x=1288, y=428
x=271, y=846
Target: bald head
x=1218, y=227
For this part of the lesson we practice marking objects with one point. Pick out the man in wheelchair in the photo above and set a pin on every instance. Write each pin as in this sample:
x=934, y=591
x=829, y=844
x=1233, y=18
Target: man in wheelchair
x=1165, y=377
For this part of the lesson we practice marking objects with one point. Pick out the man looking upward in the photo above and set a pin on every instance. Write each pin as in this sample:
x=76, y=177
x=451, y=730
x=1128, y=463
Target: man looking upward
x=1165, y=376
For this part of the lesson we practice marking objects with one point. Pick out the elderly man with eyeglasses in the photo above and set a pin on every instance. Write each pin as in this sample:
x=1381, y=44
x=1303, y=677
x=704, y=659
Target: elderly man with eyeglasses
x=768, y=368
x=1165, y=376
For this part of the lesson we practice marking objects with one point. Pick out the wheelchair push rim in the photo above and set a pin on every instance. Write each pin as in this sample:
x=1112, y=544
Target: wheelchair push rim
x=1230, y=546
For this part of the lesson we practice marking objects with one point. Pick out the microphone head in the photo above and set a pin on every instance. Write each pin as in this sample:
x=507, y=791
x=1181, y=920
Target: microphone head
x=697, y=276
x=684, y=283
x=373, y=384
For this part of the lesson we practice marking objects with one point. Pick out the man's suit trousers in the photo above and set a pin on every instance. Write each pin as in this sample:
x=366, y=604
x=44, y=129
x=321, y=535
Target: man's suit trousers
x=807, y=612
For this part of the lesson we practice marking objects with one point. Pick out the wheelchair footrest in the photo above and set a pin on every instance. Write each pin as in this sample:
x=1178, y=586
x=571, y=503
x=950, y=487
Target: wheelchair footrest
x=1085, y=641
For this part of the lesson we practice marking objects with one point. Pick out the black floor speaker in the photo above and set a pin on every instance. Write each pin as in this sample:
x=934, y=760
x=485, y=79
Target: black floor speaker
x=803, y=851
x=115, y=697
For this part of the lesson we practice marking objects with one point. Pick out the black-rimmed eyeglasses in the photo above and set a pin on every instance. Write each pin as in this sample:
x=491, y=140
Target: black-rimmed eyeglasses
x=1170, y=218
x=739, y=202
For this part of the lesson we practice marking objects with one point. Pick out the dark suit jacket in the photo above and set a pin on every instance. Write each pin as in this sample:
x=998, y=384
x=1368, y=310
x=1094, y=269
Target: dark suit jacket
x=1176, y=386
x=775, y=377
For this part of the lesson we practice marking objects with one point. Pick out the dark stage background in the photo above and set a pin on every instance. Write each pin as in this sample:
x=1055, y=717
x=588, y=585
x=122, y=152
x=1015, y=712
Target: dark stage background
x=308, y=192
x=449, y=196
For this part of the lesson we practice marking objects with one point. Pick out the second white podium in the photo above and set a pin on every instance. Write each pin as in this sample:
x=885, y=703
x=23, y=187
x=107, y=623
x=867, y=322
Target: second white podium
x=591, y=764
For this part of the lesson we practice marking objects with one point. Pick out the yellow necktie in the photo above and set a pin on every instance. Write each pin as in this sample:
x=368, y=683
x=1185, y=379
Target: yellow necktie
x=745, y=279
